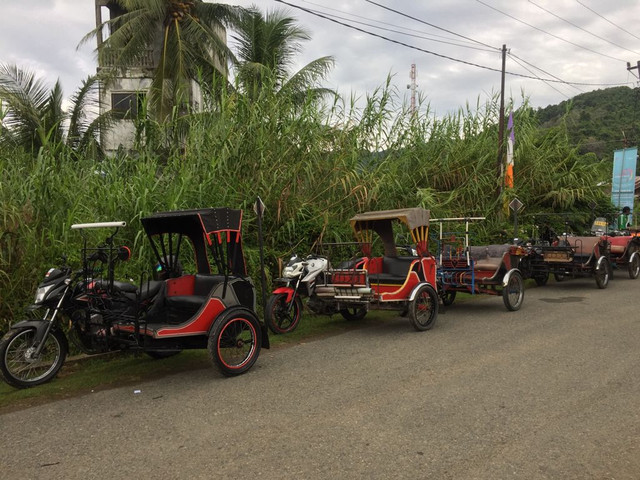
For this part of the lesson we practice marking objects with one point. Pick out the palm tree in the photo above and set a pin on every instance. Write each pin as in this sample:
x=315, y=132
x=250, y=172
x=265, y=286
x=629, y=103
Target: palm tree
x=267, y=46
x=34, y=117
x=185, y=32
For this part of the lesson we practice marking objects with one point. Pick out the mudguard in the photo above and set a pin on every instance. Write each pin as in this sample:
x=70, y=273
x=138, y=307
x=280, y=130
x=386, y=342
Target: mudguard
x=263, y=326
x=40, y=326
x=414, y=292
x=288, y=290
x=505, y=280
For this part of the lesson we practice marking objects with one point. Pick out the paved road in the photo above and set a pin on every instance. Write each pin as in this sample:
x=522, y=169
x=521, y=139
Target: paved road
x=549, y=392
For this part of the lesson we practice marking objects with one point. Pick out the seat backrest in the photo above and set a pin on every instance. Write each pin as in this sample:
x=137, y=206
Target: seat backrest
x=204, y=283
x=398, y=266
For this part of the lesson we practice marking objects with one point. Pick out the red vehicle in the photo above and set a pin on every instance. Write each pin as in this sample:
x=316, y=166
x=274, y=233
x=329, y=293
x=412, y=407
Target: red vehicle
x=212, y=308
x=486, y=269
x=385, y=281
x=625, y=253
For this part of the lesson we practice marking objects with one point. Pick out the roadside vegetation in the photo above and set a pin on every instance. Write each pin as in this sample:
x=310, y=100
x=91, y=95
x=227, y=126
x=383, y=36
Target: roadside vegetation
x=315, y=160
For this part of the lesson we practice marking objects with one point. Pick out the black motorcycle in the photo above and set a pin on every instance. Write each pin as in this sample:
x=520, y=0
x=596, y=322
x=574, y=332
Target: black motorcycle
x=162, y=315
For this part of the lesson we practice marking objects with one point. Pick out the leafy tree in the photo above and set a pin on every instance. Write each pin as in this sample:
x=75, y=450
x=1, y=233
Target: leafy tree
x=267, y=45
x=34, y=117
x=190, y=45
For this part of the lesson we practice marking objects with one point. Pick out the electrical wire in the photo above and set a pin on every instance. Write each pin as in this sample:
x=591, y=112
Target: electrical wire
x=399, y=32
x=431, y=25
x=580, y=28
x=607, y=20
x=473, y=42
x=548, y=33
x=465, y=62
x=511, y=55
x=515, y=59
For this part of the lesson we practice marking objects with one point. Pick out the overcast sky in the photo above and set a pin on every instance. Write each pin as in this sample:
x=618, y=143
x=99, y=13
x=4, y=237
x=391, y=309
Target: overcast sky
x=586, y=43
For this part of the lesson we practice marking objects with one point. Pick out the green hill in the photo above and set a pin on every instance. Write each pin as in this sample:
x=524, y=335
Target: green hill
x=600, y=121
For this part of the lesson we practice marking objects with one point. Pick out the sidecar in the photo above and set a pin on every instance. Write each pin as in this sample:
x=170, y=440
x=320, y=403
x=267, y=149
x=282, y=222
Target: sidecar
x=199, y=296
x=385, y=281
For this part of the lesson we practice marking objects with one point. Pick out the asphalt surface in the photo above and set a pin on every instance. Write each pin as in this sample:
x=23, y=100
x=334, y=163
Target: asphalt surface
x=548, y=392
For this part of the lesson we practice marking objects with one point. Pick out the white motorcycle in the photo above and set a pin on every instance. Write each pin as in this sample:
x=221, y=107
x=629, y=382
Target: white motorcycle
x=299, y=279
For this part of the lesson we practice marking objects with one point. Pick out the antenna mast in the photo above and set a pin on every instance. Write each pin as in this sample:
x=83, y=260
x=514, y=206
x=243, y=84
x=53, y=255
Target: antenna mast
x=412, y=87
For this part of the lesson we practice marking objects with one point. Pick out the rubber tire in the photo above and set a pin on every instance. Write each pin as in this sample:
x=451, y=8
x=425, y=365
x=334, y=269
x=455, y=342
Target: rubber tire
x=559, y=277
x=602, y=278
x=514, y=286
x=161, y=354
x=541, y=280
x=220, y=331
x=448, y=298
x=354, y=314
x=60, y=344
x=634, y=266
x=425, y=296
x=274, y=313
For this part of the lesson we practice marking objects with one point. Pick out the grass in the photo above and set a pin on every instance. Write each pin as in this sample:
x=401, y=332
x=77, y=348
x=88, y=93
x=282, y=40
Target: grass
x=87, y=374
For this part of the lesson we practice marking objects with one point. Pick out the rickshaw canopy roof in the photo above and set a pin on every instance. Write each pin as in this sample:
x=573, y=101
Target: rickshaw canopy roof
x=217, y=227
x=411, y=217
x=416, y=219
x=194, y=222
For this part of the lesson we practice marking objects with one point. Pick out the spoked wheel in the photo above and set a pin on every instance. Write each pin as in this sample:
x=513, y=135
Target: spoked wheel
x=283, y=317
x=423, y=310
x=513, y=292
x=235, y=341
x=634, y=265
x=353, y=314
x=18, y=361
x=448, y=298
x=602, y=272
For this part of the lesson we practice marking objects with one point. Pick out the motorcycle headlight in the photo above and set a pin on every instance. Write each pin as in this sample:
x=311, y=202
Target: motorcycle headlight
x=288, y=272
x=42, y=292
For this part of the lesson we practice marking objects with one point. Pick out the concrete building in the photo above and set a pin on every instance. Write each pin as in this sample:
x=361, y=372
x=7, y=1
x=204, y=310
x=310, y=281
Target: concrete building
x=125, y=93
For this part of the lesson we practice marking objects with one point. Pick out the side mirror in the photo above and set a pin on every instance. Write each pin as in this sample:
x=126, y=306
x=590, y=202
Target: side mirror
x=124, y=253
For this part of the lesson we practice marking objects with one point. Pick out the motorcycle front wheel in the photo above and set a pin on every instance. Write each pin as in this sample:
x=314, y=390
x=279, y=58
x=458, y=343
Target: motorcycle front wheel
x=18, y=363
x=283, y=317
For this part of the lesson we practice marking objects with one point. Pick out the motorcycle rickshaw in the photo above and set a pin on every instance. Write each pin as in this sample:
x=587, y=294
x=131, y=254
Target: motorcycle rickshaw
x=571, y=256
x=388, y=281
x=212, y=308
x=486, y=269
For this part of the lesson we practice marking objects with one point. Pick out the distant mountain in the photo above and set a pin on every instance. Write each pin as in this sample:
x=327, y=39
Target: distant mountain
x=601, y=121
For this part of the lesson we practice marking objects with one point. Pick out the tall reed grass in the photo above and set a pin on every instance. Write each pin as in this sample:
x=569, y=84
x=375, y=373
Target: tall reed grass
x=314, y=167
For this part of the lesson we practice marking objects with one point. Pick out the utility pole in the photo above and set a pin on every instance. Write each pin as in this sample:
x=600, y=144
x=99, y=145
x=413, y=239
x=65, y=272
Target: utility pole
x=637, y=67
x=500, y=163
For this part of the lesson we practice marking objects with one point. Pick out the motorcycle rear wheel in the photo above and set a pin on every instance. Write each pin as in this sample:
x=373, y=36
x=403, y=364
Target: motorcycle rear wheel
x=17, y=365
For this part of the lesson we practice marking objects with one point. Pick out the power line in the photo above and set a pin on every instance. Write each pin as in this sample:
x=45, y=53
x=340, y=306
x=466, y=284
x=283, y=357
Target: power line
x=465, y=62
x=431, y=25
x=580, y=28
x=423, y=37
x=548, y=33
x=384, y=23
x=515, y=59
x=544, y=71
x=607, y=20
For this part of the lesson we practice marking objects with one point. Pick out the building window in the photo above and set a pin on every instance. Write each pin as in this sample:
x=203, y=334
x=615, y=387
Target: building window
x=127, y=104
